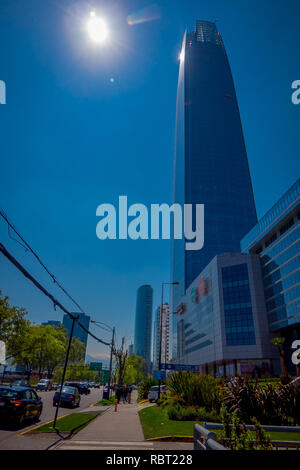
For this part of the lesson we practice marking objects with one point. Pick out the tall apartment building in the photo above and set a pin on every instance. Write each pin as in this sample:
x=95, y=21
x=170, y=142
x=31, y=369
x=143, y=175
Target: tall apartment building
x=143, y=324
x=161, y=333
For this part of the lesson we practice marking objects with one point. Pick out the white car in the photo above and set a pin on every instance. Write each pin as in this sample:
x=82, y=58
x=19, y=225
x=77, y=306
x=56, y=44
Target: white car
x=153, y=392
x=44, y=384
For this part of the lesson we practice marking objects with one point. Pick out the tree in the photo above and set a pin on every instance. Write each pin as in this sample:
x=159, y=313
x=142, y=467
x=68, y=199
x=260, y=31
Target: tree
x=121, y=358
x=135, y=370
x=278, y=342
x=78, y=371
x=44, y=349
x=13, y=325
x=77, y=350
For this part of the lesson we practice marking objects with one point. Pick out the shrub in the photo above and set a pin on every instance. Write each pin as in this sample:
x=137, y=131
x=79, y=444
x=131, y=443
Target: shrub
x=213, y=417
x=144, y=388
x=173, y=412
x=167, y=400
x=195, y=390
x=269, y=405
x=189, y=414
x=178, y=413
x=234, y=435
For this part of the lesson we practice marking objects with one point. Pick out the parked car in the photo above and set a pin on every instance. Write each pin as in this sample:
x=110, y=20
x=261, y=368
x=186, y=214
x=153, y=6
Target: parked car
x=44, y=385
x=153, y=392
x=69, y=396
x=55, y=386
x=20, y=383
x=85, y=389
x=82, y=389
x=96, y=385
x=18, y=404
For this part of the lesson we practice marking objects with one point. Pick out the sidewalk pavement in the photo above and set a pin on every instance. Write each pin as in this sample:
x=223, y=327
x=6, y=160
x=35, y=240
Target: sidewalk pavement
x=119, y=430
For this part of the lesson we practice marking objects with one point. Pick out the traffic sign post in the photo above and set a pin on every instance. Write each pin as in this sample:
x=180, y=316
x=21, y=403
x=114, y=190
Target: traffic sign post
x=104, y=374
x=159, y=375
x=96, y=366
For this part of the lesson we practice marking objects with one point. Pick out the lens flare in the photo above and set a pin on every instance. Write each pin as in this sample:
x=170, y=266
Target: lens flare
x=149, y=13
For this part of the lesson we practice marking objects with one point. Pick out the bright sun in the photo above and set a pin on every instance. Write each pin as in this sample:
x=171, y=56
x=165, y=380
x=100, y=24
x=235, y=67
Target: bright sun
x=97, y=28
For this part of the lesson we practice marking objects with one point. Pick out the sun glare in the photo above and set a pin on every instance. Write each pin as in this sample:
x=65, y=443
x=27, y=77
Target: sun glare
x=97, y=28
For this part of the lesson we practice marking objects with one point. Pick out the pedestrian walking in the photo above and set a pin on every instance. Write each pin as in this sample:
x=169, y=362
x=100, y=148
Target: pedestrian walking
x=129, y=394
x=125, y=392
x=118, y=393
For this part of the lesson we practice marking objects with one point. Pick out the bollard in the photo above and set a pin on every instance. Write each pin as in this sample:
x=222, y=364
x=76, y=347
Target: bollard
x=116, y=405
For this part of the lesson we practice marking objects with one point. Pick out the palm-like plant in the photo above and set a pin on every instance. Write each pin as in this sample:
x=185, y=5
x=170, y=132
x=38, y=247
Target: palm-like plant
x=278, y=342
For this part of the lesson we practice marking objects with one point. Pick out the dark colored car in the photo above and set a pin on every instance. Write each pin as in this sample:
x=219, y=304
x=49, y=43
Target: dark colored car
x=20, y=383
x=18, y=404
x=69, y=396
x=82, y=389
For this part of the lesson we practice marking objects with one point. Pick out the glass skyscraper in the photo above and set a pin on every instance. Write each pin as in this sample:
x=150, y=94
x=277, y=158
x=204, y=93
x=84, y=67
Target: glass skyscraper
x=211, y=165
x=143, y=323
x=78, y=332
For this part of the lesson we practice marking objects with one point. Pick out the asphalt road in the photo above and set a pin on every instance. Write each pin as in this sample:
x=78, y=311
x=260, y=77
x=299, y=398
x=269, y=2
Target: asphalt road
x=8, y=436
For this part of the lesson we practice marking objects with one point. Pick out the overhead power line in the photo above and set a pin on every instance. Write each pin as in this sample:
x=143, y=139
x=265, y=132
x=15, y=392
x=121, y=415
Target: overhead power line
x=45, y=292
x=27, y=247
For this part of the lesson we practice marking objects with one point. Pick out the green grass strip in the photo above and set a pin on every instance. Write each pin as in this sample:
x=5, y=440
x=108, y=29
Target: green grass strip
x=72, y=422
x=106, y=402
x=155, y=423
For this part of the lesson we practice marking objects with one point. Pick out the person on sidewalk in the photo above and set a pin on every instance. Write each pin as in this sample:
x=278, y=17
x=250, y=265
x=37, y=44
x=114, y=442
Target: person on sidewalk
x=129, y=394
x=118, y=393
x=125, y=392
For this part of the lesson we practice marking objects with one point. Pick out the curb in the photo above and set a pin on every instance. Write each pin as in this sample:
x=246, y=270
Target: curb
x=172, y=439
x=40, y=425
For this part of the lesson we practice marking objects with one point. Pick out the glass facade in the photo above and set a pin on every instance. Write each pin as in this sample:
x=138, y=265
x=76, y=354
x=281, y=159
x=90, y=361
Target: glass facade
x=143, y=323
x=78, y=332
x=239, y=324
x=210, y=165
x=276, y=239
x=222, y=317
x=198, y=325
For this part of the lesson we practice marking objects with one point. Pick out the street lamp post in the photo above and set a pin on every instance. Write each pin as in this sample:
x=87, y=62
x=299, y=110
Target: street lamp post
x=113, y=330
x=160, y=334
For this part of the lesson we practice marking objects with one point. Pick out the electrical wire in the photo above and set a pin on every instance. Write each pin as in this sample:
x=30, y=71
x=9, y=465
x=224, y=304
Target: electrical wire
x=55, y=302
x=27, y=247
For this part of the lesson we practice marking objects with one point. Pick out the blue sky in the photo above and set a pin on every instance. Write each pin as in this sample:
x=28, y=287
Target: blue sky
x=72, y=139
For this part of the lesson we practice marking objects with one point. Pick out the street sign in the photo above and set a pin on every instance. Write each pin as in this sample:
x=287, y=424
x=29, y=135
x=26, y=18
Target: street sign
x=2, y=352
x=96, y=366
x=104, y=374
x=159, y=375
x=191, y=368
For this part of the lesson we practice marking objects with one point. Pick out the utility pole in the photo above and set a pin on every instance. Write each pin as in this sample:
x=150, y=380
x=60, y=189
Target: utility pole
x=111, y=357
x=74, y=319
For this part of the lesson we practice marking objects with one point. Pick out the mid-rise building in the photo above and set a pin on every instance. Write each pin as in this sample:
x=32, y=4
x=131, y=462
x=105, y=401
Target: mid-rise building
x=211, y=165
x=222, y=324
x=52, y=323
x=275, y=239
x=78, y=332
x=143, y=323
x=130, y=350
x=161, y=336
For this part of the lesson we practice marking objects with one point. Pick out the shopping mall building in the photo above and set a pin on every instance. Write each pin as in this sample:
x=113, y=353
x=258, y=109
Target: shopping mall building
x=240, y=301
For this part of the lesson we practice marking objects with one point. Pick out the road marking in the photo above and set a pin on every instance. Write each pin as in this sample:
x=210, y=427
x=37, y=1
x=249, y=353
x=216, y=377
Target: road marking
x=40, y=425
